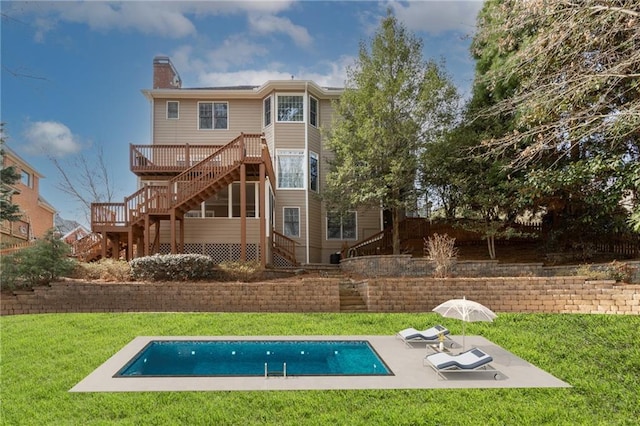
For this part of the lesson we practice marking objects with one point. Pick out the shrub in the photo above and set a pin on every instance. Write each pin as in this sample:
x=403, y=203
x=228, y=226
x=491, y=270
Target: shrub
x=615, y=270
x=441, y=250
x=39, y=264
x=104, y=269
x=172, y=267
x=240, y=271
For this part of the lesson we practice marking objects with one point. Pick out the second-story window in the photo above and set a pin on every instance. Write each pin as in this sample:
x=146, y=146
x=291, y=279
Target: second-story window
x=267, y=111
x=313, y=111
x=173, y=110
x=290, y=166
x=213, y=115
x=313, y=171
x=290, y=108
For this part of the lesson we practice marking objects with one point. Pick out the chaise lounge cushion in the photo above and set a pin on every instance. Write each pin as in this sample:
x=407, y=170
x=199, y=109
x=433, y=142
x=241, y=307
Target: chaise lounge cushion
x=430, y=334
x=469, y=360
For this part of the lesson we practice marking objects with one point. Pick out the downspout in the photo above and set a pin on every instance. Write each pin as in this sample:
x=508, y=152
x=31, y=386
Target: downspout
x=306, y=156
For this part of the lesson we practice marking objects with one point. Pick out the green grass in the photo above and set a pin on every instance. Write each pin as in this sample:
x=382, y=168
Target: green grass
x=43, y=356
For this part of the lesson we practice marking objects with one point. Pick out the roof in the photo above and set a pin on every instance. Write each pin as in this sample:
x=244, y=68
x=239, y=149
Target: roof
x=11, y=153
x=246, y=91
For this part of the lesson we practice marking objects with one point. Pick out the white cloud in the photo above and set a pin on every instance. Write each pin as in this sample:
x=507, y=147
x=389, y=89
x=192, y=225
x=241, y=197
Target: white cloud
x=50, y=138
x=235, y=51
x=437, y=16
x=268, y=24
x=160, y=18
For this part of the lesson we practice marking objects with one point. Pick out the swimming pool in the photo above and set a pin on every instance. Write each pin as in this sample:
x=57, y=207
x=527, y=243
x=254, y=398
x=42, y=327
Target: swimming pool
x=225, y=358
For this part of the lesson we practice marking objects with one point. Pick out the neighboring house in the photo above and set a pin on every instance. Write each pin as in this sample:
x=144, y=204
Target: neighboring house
x=235, y=173
x=71, y=232
x=37, y=213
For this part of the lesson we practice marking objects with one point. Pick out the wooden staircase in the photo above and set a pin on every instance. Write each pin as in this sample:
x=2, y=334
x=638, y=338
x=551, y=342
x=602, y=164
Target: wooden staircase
x=131, y=221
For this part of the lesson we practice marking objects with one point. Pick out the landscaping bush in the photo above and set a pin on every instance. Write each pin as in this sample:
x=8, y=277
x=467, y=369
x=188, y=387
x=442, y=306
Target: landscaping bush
x=39, y=264
x=441, y=250
x=104, y=269
x=172, y=267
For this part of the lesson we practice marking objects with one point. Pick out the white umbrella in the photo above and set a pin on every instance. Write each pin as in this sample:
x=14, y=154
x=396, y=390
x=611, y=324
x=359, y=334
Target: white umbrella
x=465, y=310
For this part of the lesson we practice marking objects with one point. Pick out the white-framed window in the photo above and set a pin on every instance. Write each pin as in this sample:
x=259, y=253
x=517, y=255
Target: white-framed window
x=313, y=111
x=290, y=108
x=342, y=226
x=26, y=178
x=213, y=115
x=290, y=165
x=291, y=221
x=314, y=172
x=173, y=110
x=267, y=111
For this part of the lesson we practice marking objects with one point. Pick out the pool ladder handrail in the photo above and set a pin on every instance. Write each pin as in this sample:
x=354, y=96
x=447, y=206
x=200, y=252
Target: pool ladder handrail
x=266, y=370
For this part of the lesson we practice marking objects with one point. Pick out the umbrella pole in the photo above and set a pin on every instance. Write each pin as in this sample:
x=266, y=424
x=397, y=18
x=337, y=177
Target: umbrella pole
x=464, y=334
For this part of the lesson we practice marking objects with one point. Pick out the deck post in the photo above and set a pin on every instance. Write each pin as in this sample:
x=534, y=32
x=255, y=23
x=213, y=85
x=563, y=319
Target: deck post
x=104, y=244
x=147, y=231
x=243, y=212
x=263, y=223
x=173, y=232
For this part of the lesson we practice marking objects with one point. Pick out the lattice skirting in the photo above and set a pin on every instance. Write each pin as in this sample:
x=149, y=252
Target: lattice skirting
x=219, y=252
x=281, y=262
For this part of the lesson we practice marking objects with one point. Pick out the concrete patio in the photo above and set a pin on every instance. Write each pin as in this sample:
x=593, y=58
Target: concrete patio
x=405, y=362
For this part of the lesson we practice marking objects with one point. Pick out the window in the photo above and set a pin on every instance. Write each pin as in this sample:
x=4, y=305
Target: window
x=173, y=110
x=267, y=111
x=290, y=108
x=290, y=169
x=26, y=179
x=313, y=111
x=291, y=224
x=341, y=226
x=313, y=171
x=212, y=115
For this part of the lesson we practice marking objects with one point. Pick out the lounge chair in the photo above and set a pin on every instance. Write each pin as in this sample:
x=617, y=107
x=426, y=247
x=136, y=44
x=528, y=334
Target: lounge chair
x=430, y=336
x=473, y=360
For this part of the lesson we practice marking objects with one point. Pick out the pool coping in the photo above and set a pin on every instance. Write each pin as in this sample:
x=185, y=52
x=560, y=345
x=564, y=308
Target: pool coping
x=405, y=362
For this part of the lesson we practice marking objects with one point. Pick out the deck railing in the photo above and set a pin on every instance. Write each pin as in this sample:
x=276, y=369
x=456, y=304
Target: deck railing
x=285, y=246
x=212, y=162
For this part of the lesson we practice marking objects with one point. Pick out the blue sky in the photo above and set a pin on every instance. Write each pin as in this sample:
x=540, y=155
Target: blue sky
x=72, y=72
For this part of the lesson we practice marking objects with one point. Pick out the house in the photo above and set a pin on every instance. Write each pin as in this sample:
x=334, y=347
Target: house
x=235, y=173
x=37, y=213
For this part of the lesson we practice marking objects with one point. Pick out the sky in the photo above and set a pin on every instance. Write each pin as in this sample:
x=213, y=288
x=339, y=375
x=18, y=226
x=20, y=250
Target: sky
x=72, y=72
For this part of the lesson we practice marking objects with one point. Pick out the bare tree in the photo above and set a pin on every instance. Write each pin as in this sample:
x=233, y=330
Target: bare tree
x=85, y=180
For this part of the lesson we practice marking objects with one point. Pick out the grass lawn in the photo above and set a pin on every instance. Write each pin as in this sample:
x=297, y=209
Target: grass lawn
x=43, y=356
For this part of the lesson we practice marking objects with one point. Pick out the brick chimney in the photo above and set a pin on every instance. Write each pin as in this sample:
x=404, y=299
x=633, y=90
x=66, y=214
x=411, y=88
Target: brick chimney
x=165, y=75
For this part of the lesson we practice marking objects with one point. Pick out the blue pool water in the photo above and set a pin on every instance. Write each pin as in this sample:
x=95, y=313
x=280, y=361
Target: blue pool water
x=248, y=358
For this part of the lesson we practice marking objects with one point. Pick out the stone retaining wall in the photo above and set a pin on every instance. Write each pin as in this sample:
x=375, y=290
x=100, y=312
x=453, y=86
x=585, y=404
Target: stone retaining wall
x=543, y=295
x=317, y=295
x=513, y=294
x=406, y=266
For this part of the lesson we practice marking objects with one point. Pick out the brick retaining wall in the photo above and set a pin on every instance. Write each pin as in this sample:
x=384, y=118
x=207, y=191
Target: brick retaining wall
x=512, y=294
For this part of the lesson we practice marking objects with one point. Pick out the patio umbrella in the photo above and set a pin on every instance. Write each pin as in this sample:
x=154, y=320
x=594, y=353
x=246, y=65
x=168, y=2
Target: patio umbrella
x=465, y=310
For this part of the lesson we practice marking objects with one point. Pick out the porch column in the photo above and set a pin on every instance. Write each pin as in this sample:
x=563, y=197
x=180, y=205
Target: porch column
x=243, y=212
x=263, y=224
